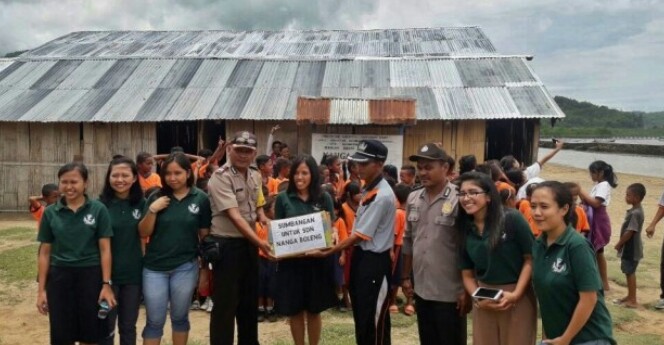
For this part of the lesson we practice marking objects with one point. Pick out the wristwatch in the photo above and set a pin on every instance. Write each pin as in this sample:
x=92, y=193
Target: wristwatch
x=109, y=283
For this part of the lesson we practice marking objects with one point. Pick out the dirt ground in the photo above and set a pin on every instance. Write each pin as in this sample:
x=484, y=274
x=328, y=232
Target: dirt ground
x=20, y=323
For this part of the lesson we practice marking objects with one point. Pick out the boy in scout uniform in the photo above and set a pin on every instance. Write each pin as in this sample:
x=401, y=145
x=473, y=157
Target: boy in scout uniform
x=373, y=237
x=237, y=201
x=430, y=250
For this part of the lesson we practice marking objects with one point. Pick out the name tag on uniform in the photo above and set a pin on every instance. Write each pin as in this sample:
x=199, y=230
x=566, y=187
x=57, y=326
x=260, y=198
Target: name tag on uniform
x=239, y=190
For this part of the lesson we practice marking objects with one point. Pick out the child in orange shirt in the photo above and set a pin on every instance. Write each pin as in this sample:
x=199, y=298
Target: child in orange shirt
x=579, y=217
x=524, y=208
x=49, y=195
x=401, y=191
x=267, y=270
x=282, y=168
x=350, y=201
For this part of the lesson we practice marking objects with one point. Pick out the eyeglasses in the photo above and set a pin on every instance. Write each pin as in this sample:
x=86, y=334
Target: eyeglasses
x=242, y=141
x=471, y=194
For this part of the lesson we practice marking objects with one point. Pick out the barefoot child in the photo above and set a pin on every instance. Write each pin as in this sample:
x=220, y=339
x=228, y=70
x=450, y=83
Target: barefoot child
x=596, y=203
x=630, y=247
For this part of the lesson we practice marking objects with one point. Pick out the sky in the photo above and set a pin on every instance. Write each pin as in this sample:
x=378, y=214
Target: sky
x=608, y=52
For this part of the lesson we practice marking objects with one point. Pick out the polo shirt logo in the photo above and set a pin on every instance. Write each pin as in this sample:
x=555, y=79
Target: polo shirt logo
x=559, y=266
x=193, y=208
x=89, y=219
x=136, y=214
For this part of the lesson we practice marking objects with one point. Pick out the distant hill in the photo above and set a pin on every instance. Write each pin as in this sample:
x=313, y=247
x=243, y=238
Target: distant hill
x=585, y=119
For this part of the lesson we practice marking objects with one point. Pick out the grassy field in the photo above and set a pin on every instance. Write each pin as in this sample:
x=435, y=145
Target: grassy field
x=20, y=323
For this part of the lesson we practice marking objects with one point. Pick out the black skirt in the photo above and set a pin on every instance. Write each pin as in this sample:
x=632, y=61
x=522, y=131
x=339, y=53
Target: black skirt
x=305, y=284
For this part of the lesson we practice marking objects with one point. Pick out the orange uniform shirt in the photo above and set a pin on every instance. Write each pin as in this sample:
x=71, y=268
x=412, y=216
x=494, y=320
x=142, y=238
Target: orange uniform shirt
x=340, y=224
x=37, y=214
x=261, y=231
x=524, y=208
x=151, y=181
x=582, y=224
x=399, y=226
x=273, y=185
x=349, y=217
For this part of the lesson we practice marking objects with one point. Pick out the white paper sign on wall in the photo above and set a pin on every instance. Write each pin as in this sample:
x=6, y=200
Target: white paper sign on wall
x=344, y=145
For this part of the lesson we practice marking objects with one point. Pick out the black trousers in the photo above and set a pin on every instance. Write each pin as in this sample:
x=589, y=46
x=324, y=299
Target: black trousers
x=126, y=314
x=369, y=292
x=235, y=294
x=439, y=323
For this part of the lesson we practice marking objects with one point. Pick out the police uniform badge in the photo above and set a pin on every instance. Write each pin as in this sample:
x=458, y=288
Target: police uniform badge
x=447, y=208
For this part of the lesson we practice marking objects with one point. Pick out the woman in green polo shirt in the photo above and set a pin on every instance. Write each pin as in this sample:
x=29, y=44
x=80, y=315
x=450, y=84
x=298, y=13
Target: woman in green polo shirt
x=495, y=253
x=306, y=284
x=123, y=196
x=176, y=218
x=75, y=261
x=565, y=274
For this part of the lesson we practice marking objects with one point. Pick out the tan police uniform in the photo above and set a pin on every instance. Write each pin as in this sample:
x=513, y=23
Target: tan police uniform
x=235, y=294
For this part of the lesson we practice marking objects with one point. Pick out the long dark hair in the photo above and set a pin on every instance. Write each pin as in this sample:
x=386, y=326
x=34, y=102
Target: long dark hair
x=181, y=160
x=494, y=222
x=561, y=195
x=135, y=191
x=315, y=191
x=607, y=172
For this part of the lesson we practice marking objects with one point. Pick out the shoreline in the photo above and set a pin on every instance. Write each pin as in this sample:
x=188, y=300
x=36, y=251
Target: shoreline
x=610, y=147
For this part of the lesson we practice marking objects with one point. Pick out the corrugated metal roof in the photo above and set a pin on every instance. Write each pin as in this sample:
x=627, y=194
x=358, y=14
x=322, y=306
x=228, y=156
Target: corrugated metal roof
x=123, y=76
x=125, y=90
x=302, y=44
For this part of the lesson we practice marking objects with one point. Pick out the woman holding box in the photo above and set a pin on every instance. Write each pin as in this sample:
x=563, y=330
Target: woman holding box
x=305, y=284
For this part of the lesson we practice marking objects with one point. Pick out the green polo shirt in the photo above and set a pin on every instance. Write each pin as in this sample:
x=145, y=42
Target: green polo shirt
x=502, y=264
x=126, y=242
x=560, y=272
x=174, y=240
x=290, y=205
x=74, y=236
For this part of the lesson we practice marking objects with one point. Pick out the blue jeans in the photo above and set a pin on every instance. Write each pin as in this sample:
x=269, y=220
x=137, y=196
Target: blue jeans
x=160, y=288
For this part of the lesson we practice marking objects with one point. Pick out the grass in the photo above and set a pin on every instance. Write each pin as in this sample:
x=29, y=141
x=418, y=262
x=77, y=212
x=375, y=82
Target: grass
x=18, y=268
x=19, y=265
x=17, y=234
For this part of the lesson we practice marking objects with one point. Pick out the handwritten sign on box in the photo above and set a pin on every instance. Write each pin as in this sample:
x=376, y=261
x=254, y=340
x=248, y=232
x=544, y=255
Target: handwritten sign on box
x=298, y=235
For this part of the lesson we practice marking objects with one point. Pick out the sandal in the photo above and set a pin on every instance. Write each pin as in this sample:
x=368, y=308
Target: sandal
x=409, y=310
x=394, y=309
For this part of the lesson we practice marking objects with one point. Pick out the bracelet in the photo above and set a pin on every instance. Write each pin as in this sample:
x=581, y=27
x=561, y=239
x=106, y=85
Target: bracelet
x=151, y=210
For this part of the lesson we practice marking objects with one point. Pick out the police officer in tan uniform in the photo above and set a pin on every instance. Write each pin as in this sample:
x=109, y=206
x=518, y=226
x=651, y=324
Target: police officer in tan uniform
x=430, y=247
x=236, y=200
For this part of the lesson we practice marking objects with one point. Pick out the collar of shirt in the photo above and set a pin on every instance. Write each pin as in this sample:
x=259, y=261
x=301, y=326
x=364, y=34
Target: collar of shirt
x=62, y=204
x=560, y=241
x=373, y=184
x=444, y=194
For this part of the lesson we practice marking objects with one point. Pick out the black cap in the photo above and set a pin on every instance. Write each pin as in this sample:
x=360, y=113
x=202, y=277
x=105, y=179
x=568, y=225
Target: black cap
x=429, y=151
x=369, y=149
x=244, y=139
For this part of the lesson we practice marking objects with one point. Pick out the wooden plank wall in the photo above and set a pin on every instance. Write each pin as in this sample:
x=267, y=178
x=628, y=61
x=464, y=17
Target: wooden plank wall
x=458, y=137
x=31, y=154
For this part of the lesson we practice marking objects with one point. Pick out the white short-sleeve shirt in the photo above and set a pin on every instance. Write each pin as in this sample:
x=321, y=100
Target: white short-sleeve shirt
x=661, y=200
x=533, y=171
x=602, y=190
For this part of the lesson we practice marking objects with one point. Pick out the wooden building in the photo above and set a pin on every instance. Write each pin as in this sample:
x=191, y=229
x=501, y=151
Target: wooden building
x=90, y=95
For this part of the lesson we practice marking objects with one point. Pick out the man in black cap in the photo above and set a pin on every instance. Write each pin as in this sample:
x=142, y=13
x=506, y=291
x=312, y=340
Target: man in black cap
x=236, y=199
x=373, y=237
x=430, y=252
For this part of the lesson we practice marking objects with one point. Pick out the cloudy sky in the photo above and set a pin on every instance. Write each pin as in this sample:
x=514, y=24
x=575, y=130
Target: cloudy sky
x=608, y=52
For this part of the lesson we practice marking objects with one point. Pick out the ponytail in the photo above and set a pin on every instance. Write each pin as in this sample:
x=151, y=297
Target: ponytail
x=606, y=170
